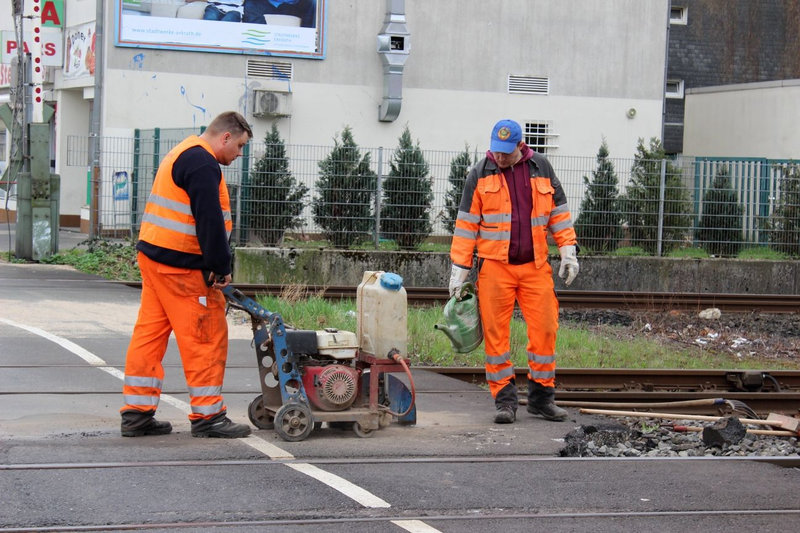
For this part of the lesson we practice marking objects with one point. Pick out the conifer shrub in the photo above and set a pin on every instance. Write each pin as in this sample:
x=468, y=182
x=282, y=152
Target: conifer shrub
x=641, y=205
x=273, y=200
x=598, y=225
x=720, y=228
x=407, y=196
x=345, y=193
x=459, y=167
x=783, y=226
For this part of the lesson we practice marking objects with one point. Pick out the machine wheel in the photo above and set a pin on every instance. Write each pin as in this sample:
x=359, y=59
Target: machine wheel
x=258, y=414
x=359, y=430
x=293, y=422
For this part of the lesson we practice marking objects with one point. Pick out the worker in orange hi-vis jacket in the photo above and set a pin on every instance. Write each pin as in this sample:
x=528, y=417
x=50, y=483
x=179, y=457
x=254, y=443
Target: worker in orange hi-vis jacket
x=511, y=199
x=185, y=259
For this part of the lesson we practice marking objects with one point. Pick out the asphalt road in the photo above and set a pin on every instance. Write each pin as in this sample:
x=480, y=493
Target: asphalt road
x=65, y=467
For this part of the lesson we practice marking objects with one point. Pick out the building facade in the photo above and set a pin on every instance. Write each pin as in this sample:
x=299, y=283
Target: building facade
x=715, y=43
x=573, y=72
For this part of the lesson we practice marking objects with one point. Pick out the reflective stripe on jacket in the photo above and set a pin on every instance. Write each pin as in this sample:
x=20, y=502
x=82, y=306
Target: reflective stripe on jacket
x=484, y=215
x=168, y=221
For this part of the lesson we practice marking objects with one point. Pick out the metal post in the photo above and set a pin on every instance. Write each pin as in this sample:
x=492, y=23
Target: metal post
x=661, y=198
x=244, y=178
x=378, y=193
x=136, y=175
x=95, y=131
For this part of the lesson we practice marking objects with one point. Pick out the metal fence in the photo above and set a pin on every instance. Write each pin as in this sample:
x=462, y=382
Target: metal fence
x=721, y=205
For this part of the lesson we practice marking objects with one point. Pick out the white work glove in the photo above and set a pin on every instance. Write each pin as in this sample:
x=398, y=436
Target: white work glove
x=458, y=276
x=569, y=263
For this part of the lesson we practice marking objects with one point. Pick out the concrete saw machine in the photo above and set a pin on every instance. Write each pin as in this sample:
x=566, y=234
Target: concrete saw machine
x=342, y=378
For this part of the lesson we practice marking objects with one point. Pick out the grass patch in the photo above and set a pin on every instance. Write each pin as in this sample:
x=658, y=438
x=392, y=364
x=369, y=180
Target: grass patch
x=576, y=347
x=629, y=251
x=109, y=259
x=689, y=253
x=762, y=252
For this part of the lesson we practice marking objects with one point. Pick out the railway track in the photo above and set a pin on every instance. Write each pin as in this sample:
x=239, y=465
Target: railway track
x=776, y=391
x=763, y=391
x=767, y=303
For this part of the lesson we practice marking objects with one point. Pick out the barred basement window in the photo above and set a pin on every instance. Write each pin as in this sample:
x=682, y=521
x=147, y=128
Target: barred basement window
x=539, y=136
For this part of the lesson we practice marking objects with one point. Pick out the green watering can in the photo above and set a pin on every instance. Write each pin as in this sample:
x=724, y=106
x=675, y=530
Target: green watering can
x=463, y=320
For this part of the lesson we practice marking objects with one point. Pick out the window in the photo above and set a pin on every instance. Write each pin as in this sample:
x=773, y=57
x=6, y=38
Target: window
x=678, y=15
x=2, y=144
x=674, y=89
x=538, y=135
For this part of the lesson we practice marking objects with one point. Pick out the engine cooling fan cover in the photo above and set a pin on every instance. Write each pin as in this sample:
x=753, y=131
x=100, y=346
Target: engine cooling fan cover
x=331, y=387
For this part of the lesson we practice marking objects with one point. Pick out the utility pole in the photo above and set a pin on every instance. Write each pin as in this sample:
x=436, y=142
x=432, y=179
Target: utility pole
x=95, y=129
x=28, y=121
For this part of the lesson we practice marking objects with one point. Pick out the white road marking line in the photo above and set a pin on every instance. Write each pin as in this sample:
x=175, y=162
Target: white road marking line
x=365, y=498
x=267, y=448
x=340, y=484
x=415, y=526
x=84, y=354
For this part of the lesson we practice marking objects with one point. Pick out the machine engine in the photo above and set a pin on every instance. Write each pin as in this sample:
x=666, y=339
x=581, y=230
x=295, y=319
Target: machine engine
x=329, y=377
x=331, y=387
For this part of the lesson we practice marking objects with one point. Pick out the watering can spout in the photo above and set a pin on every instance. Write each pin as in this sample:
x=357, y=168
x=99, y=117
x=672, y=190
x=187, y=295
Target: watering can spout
x=447, y=330
x=462, y=320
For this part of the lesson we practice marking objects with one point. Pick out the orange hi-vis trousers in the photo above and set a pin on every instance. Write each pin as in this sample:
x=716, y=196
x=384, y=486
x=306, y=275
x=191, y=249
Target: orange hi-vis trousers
x=177, y=299
x=499, y=286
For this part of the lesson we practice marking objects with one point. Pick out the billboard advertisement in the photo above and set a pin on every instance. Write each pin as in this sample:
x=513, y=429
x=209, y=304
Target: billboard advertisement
x=294, y=28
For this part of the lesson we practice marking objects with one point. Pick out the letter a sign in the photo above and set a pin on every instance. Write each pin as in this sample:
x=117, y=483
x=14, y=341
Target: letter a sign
x=53, y=13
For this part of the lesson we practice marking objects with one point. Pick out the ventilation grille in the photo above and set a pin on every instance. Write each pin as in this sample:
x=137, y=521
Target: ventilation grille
x=528, y=84
x=269, y=70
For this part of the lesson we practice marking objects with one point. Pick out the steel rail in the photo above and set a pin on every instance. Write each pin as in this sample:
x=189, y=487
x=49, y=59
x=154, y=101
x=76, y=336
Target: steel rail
x=774, y=391
x=790, y=460
x=647, y=379
x=492, y=516
x=654, y=301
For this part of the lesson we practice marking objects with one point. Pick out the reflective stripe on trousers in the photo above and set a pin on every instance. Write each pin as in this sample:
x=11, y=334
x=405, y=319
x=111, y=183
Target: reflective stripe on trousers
x=499, y=286
x=177, y=299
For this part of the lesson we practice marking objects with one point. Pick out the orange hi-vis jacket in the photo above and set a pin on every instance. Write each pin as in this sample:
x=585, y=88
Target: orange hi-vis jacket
x=168, y=221
x=484, y=216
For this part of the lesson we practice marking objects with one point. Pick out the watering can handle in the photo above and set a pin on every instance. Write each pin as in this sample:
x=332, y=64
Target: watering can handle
x=465, y=289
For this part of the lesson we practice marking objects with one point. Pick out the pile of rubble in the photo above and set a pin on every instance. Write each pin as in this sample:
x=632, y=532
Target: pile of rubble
x=644, y=437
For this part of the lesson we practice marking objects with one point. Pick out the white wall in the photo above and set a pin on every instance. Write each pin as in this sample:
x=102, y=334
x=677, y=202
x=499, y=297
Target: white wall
x=603, y=57
x=72, y=119
x=746, y=120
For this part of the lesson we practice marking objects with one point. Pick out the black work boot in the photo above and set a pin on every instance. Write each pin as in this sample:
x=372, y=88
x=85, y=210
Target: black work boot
x=219, y=426
x=541, y=401
x=141, y=423
x=506, y=404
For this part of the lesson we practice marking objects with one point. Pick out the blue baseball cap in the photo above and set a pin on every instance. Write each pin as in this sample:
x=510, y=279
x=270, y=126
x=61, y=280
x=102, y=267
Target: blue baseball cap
x=506, y=134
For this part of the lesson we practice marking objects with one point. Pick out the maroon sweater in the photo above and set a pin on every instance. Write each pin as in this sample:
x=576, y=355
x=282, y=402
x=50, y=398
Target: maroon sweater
x=518, y=180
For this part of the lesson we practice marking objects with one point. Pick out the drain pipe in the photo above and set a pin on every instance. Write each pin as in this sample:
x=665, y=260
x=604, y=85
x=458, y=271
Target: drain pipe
x=393, y=46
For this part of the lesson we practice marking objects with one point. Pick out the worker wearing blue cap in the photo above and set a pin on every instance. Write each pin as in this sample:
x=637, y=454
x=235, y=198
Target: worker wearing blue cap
x=511, y=200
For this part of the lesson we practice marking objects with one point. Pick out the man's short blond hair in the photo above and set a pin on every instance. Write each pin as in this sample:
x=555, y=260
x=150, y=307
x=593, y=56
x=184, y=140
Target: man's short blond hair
x=229, y=121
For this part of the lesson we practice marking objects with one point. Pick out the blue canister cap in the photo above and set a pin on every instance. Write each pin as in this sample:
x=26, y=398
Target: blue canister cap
x=391, y=281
